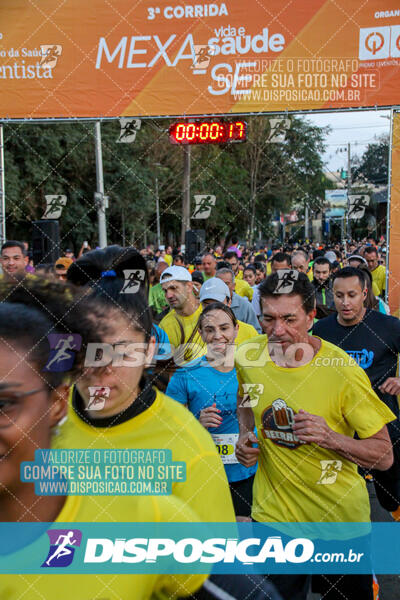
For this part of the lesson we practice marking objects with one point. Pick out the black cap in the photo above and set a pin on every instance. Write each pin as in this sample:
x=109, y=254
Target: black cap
x=198, y=277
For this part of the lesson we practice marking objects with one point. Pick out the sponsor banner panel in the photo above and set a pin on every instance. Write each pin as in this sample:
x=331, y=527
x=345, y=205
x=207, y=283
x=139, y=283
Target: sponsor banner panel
x=157, y=57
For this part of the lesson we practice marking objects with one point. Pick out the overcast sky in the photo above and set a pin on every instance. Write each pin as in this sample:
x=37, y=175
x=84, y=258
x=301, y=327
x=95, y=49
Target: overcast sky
x=358, y=128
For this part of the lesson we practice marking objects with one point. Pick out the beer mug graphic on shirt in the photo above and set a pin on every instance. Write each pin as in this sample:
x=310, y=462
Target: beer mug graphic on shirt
x=283, y=414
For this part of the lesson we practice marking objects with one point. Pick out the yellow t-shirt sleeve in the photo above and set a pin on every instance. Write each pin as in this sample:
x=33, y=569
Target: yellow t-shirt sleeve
x=240, y=380
x=244, y=289
x=248, y=291
x=361, y=407
x=171, y=328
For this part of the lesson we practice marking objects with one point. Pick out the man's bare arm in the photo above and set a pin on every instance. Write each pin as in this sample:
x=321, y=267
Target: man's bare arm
x=245, y=416
x=375, y=452
x=246, y=454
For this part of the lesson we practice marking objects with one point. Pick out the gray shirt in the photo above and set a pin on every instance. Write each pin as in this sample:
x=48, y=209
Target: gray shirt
x=243, y=311
x=256, y=303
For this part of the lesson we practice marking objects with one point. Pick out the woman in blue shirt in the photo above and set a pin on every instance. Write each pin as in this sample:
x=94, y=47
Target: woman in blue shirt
x=208, y=387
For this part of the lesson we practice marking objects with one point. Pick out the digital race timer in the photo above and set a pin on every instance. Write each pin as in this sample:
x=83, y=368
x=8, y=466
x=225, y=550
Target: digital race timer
x=207, y=132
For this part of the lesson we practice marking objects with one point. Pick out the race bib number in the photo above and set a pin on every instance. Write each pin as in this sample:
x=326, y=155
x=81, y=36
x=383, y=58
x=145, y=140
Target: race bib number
x=226, y=443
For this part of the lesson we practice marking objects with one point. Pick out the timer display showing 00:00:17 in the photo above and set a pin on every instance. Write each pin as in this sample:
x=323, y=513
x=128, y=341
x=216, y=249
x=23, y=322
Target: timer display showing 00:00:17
x=207, y=132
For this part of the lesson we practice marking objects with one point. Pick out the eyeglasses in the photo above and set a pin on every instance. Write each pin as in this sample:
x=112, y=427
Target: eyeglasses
x=10, y=405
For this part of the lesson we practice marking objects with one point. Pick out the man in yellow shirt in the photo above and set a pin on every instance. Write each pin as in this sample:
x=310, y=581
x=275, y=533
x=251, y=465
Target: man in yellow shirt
x=378, y=272
x=355, y=261
x=242, y=287
x=179, y=324
x=313, y=400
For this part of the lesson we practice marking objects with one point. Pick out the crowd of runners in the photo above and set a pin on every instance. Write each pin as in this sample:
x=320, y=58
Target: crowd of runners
x=271, y=373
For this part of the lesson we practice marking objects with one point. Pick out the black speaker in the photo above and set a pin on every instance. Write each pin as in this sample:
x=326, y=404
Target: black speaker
x=45, y=241
x=195, y=243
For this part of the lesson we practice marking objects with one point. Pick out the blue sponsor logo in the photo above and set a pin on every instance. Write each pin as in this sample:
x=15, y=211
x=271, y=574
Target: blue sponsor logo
x=364, y=358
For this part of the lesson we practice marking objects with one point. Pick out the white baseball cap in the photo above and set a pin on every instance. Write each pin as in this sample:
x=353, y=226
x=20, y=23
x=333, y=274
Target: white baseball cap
x=358, y=257
x=214, y=289
x=175, y=273
x=331, y=256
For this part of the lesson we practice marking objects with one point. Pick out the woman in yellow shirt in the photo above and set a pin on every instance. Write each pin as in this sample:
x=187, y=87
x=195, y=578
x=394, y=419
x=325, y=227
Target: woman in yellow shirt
x=33, y=400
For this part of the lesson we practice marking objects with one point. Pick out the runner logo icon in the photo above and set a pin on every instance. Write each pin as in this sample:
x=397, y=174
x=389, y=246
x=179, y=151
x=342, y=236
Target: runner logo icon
x=133, y=280
x=329, y=471
x=98, y=396
x=63, y=347
x=63, y=543
x=252, y=393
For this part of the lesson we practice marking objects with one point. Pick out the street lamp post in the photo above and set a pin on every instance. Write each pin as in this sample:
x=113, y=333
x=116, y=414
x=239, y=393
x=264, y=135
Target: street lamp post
x=101, y=209
x=185, y=193
x=158, y=214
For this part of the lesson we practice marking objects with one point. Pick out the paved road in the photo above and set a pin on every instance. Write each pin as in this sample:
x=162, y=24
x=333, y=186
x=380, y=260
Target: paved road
x=389, y=584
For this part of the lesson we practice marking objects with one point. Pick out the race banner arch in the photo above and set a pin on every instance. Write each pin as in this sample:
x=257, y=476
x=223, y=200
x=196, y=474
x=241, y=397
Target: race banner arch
x=165, y=58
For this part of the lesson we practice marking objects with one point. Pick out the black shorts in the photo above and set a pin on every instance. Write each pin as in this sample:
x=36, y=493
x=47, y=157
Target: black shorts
x=242, y=496
x=387, y=483
x=331, y=587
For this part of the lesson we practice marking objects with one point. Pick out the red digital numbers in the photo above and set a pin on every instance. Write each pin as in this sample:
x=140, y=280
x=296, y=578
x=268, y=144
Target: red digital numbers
x=207, y=132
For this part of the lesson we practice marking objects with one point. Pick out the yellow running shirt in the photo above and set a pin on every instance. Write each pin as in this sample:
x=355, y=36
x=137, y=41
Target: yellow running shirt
x=78, y=509
x=304, y=482
x=174, y=326
x=165, y=424
x=379, y=279
x=242, y=288
x=245, y=332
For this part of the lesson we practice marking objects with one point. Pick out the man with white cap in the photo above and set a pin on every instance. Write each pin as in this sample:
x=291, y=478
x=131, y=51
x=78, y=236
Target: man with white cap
x=214, y=290
x=181, y=321
x=331, y=256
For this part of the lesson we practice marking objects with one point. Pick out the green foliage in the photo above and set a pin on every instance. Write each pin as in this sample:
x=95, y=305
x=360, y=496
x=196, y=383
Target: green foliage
x=55, y=158
x=373, y=165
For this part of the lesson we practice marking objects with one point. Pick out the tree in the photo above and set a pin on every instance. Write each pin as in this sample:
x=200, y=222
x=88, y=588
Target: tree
x=286, y=173
x=254, y=178
x=373, y=165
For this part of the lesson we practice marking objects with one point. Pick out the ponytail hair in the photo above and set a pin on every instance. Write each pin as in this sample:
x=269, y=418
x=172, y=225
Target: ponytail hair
x=104, y=271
